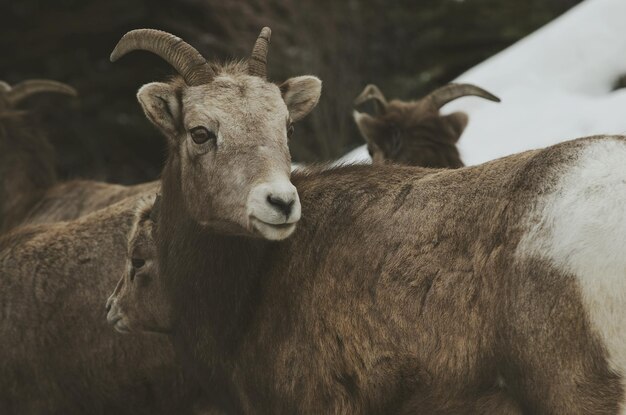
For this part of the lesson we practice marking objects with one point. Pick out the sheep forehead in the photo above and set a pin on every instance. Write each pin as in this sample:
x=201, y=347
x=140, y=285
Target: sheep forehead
x=408, y=113
x=580, y=227
x=140, y=238
x=240, y=101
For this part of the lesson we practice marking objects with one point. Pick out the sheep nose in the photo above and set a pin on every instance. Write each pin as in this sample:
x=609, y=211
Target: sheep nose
x=109, y=304
x=282, y=205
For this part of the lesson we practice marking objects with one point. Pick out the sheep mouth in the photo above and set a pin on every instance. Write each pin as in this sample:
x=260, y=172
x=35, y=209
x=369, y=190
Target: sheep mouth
x=272, y=231
x=119, y=325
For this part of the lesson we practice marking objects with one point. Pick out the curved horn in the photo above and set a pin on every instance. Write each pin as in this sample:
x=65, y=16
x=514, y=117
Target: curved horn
x=450, y=92
x=25, y=89
x=257, y=65
x=183, y=57
x=370, y=92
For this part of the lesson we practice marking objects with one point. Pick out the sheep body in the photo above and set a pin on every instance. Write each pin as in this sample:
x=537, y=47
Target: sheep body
x=58, y=354
x=403, y=291
x=29, y=189
x=73, y=199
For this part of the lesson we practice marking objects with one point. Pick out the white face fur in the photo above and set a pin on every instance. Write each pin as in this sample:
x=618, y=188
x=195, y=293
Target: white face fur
x=231, y=139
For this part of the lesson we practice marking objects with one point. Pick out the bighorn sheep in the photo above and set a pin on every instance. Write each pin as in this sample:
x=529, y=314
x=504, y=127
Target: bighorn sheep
x=58, y=354
x=56, y=346
x=29, y=191
x=26, y=157
x=404, y=290
x=414, y=133
x=75, y=198
x=138, y=304
x=231, y=126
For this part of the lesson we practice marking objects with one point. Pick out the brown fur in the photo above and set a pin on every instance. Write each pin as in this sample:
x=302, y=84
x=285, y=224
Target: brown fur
x=29, y=190
x=26, y=166
x=413, y=133
x=398, y=293
x=58, y=354
x=76, y=198
x=138, y=302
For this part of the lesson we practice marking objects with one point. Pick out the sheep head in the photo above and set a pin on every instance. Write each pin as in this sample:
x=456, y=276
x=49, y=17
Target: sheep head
x=227, y=128
x=11, y=97
x=415, y=133
x=138, y=302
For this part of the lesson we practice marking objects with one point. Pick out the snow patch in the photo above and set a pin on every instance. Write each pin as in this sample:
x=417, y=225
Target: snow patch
x=555, y=85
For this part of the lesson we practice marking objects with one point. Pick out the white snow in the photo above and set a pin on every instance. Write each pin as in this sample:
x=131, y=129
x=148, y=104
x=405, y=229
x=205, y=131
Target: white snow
x=555, y=85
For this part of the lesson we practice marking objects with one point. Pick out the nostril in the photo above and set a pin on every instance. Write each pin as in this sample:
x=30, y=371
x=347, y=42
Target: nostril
x=280, y=204
x=108, y=306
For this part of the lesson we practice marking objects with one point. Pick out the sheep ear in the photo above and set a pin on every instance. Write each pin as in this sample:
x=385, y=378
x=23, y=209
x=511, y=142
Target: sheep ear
x=457, y=122
x=301, y=95
x=161, y=105
x=366, y=125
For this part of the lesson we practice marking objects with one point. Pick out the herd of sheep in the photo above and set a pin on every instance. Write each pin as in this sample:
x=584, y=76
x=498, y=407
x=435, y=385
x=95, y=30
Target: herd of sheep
x=410, y=286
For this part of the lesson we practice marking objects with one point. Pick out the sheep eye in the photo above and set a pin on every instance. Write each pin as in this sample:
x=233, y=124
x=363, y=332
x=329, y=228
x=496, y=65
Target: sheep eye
x=201, y=135
x=137, y=262
x=290, y=130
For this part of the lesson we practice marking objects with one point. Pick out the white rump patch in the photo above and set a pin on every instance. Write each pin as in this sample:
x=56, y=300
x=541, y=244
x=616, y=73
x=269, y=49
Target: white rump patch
x=581, y=228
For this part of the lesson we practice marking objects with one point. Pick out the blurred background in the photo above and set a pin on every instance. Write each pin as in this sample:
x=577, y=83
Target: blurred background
x=407, y=47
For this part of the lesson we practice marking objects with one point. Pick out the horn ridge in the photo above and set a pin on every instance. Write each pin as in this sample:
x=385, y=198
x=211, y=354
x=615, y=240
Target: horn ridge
x=450, y=92
x=25, y=89
x=257, y=65
x=183, y=57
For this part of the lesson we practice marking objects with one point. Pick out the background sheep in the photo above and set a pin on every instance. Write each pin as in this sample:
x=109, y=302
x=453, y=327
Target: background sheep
x=76, y=198
x=58, y=354
x=27, y=168
x=29, y=191
x=138, y=303
x=414, y=133
x=589, y=40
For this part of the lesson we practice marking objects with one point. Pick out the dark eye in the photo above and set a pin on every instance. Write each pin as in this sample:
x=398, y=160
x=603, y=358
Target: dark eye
x=290, y=130
x=138, y=262
x=201, y=135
